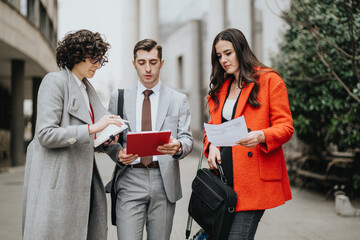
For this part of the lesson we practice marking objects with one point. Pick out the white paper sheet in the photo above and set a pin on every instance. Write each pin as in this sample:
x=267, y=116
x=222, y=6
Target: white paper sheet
x=227, y=133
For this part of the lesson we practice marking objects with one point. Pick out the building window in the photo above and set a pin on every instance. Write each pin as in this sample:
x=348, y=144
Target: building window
x=43, y=21
x=52, y=35
x=47, y=27
x=31, y=10
x=23, y=7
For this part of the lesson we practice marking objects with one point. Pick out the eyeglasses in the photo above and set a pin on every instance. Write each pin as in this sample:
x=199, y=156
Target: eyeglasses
x=101, y=61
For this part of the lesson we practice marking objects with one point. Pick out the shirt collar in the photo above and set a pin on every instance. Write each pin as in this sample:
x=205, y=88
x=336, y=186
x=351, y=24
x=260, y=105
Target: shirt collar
x=80, y=83
x=155, y=89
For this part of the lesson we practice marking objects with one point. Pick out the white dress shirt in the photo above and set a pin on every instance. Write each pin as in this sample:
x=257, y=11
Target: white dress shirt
x=154, y=100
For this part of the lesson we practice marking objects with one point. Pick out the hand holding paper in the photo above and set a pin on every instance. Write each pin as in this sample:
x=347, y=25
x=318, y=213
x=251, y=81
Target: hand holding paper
x=253, y=139
x=228, y=133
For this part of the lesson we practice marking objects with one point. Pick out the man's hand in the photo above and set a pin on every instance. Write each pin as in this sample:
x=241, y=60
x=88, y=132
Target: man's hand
x=126, y=158
x=111, y=141
x=170, y=148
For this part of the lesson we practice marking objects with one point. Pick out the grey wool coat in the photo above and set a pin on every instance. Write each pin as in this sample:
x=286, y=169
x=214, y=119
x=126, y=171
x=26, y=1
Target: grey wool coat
x=60, y=164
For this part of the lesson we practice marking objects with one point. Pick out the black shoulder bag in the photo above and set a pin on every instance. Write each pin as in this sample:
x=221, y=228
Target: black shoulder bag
x=111, y=186
x=212, y=203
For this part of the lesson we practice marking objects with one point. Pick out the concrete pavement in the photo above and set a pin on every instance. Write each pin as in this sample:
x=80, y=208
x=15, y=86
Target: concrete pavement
x=307, y=217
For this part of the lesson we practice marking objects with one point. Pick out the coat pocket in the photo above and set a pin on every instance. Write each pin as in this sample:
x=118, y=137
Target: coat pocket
x=270, y=166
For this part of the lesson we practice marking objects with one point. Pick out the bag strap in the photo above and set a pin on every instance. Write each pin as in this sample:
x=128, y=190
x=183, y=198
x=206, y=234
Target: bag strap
x=200, y=159
x=121, y=103
x=190, y=219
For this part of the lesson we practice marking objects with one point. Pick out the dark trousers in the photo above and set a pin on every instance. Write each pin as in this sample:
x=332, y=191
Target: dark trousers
x=245, y=224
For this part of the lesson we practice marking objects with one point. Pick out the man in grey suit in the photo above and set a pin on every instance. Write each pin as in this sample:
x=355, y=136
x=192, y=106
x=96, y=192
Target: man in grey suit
x=147, y=190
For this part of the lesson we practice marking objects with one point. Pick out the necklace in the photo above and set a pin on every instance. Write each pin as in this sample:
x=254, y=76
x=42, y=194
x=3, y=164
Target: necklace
x=236, y=86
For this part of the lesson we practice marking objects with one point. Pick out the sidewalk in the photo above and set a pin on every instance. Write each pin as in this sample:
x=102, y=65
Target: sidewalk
x=307, y=217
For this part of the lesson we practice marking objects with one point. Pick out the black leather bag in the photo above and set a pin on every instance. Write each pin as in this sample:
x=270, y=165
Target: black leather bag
x=118, y=170
x=212, y=203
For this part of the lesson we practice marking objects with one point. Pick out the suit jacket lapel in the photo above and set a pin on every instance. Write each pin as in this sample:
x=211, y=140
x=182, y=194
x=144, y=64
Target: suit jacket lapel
x=130, y=106
x=163, y=106
x=77, y=106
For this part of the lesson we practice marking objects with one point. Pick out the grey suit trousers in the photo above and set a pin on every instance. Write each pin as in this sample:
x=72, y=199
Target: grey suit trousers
x=142, y=200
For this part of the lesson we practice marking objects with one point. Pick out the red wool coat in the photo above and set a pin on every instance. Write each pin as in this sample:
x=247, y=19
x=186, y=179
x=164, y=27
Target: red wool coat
x=260, y=175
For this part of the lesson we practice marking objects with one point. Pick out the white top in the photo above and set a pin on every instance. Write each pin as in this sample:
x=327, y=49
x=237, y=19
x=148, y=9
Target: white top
x=154, y=100
x=228, y=108
x=83, y=91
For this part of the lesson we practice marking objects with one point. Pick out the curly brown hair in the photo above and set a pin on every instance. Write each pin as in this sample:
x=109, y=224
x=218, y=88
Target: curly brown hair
x=79, y=45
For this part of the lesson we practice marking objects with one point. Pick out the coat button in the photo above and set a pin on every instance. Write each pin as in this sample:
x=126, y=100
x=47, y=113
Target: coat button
x=250, y=154
x=71, y=141
x=249, y=130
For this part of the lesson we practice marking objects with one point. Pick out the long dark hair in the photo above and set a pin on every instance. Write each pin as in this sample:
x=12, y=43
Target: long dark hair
x=247, y=62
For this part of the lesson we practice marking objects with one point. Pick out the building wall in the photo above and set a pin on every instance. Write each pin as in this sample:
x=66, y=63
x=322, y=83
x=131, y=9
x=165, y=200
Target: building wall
x=258, y=19
x=27, y=52
x=182, y=67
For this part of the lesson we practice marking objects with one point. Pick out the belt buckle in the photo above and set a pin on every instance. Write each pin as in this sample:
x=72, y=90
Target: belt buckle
x=149, y=165
x=132, y=166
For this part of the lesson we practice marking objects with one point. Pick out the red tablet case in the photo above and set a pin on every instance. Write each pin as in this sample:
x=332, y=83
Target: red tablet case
x=146, y=143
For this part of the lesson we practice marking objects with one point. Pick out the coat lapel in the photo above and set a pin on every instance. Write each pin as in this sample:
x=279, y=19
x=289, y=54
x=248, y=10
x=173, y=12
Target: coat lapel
x=245, y=93
x=130, y=106
x=98, y=108
x=216, y=114
x=163, y=106
x=244, y=96
x=77, y=106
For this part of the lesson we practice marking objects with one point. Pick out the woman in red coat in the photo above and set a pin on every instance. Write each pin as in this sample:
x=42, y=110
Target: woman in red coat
x=255, y=168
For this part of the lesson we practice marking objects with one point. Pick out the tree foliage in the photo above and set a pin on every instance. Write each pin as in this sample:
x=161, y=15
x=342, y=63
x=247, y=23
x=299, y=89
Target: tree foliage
x=320, y=61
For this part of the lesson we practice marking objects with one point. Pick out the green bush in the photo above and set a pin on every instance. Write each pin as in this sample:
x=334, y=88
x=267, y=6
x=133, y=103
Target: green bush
x=320, y=61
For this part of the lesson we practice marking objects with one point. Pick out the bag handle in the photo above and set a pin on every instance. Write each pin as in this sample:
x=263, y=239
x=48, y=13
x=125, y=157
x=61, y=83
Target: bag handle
x=221, y=173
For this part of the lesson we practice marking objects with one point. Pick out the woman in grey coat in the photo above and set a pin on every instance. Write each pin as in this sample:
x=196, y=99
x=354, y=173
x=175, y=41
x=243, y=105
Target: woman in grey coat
x=64, y=196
